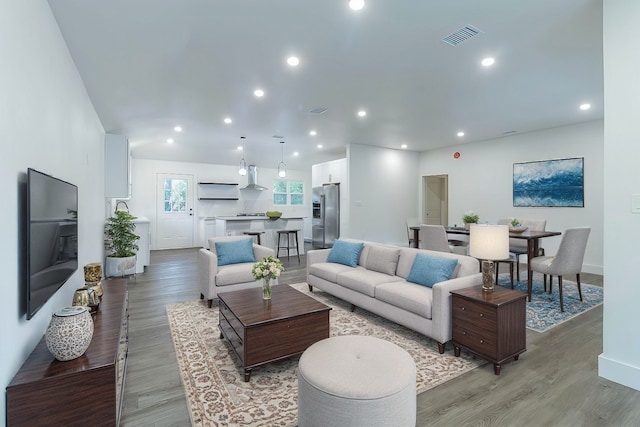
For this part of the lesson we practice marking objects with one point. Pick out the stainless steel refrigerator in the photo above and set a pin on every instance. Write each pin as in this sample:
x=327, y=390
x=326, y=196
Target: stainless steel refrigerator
x=325, y=225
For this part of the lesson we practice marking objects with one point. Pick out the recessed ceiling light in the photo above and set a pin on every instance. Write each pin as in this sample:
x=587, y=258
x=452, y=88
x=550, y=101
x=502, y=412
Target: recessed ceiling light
x=295, y=153
x=170, y=140
x=319, y=145
x=460, y=133
x=313, y=133
x=178, y=128
x=356, y=4
x=488, y=62
x=240, y=147
x=584, y=107
x=228, y=120
x=362, y=113
x=259, y=93
x=403, y=146
x=293, y=61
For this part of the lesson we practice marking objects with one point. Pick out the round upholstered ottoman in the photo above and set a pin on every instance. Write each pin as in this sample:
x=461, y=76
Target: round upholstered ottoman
x=356, y=380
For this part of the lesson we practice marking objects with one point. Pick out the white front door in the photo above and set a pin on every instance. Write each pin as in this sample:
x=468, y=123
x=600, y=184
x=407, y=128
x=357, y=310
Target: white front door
x=174, y=211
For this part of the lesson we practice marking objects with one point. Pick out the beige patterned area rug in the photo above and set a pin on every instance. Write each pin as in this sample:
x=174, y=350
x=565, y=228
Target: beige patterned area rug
x=214, y=380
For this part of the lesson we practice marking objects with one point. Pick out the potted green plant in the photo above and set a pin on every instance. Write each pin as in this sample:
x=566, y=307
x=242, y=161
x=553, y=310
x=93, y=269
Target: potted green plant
x=470, y=217
x=120, y=244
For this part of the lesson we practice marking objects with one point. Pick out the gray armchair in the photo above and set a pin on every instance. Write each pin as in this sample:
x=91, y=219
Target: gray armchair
x=214, y=278
x=568, y=259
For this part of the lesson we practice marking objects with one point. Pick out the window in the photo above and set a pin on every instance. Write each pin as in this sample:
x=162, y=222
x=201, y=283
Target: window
x=175, y=195
x=288, y=193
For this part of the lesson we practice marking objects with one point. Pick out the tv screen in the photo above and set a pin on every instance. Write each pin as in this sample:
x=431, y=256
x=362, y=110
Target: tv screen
x=52, y=237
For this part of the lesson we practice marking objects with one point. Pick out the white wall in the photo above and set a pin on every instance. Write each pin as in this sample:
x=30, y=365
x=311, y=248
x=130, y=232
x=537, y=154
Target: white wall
x=382, y=186
x=47, y=122
x=143, y=192
x=620, y=358
x=481, y=180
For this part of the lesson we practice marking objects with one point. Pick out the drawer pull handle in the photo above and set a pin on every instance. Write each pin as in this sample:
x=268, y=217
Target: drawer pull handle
x=462, y=309
x=464, y=332
x=481, y=314
x=481, y=341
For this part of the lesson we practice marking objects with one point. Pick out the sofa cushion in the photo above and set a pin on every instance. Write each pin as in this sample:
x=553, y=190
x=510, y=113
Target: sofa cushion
x=417, y=299
x=233, y=274
x=235, y=251
x=383, y=259
x=327, y=270
x=346, y=253
x=363, y=280
x=428, y=270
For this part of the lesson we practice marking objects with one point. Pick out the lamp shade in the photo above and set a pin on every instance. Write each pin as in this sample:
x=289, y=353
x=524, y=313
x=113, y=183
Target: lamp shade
x=489, y=242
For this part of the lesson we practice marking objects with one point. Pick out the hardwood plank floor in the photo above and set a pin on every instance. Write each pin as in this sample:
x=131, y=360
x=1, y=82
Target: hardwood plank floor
x=554, y=383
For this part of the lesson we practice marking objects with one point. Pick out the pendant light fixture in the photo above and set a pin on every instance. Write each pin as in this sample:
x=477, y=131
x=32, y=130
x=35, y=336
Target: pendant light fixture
x=282, y=167
x=243, y=165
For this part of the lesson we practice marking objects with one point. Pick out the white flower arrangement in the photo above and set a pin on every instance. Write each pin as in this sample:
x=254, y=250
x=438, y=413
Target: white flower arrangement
x=269, y=268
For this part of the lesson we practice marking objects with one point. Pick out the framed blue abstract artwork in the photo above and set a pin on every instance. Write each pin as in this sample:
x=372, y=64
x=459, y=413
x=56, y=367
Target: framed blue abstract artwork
x=550, y=183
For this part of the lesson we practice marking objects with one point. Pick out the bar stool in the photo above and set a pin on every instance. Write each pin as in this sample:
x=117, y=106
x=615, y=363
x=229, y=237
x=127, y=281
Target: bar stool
x=287, y=234
x=254, y=233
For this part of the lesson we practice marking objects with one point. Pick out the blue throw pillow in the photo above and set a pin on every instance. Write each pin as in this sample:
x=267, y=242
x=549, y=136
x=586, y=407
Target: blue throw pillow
x=235, y=251
x=429, y=270
x=346, y=253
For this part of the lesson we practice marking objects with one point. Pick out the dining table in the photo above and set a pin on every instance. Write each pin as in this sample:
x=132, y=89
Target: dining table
x=533, y=246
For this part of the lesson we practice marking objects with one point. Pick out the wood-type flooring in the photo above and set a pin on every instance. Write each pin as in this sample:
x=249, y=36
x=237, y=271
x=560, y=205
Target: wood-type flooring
x=554, y=383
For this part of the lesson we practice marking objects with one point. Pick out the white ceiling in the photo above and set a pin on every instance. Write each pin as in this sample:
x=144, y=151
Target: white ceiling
x=149, y=65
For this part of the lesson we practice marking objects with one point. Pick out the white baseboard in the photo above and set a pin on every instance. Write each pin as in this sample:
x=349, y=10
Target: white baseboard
x=619, y=372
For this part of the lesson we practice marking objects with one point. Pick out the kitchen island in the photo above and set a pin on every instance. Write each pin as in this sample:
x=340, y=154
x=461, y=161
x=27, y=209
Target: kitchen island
x=236, y=225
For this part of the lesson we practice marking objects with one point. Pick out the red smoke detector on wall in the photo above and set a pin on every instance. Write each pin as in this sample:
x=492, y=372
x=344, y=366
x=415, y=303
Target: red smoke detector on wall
x=456, y=155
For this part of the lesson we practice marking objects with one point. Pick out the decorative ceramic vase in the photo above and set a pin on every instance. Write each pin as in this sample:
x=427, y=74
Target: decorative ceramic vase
x=266, y=288
x=96, y=286
x=120, y=267
x=69, y=333
x=93, y=272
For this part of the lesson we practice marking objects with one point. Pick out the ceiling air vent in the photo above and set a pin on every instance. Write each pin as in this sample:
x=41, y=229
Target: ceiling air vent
x=462, y=35
x=318, y=110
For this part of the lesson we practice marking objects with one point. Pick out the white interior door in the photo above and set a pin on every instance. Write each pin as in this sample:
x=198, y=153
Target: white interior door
x=175, y=219
x=436, y=200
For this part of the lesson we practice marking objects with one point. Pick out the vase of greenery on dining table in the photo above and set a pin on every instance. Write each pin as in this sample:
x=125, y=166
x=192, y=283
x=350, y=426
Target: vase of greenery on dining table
x=470, y=217
x=267, y=270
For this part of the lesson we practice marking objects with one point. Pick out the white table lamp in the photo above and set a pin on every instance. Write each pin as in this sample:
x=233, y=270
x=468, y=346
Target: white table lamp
x=488, y=243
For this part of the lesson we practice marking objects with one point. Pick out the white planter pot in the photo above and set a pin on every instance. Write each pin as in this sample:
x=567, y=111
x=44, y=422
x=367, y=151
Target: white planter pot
x=120, y=267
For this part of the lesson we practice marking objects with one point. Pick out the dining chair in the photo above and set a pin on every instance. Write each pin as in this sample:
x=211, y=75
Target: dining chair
x=519, y=246
x=412, y=222
x=567, y=260
x=434, y=238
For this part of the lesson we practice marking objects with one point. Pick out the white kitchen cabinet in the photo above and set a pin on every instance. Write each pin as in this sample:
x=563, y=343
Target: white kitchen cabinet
x=117, y=168
x=144, y=250
x=334, y=171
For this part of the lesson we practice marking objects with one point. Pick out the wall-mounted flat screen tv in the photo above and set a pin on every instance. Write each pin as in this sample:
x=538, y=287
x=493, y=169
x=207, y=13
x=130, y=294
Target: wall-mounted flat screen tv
x=52, y=237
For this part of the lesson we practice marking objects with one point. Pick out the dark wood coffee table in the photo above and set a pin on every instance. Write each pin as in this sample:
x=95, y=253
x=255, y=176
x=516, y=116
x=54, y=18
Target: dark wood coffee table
x=262, y=331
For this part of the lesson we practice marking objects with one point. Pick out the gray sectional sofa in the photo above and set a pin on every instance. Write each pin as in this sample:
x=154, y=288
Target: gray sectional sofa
x=378, y=283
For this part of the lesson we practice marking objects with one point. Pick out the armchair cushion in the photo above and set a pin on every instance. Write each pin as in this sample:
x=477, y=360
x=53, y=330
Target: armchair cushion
x=428, y=270
x=235, y=252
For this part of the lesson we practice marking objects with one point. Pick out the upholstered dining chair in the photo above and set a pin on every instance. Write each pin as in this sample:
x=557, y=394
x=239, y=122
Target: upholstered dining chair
x=568, y=259
x=519, y=246
x=412, y=222
x=434, y=238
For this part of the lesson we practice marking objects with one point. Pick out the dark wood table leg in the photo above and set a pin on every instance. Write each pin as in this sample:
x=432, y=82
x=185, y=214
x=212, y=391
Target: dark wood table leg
x=416, y=238
x=529, y=271
x=496, y=368
x=456, y=351
x=247, y=374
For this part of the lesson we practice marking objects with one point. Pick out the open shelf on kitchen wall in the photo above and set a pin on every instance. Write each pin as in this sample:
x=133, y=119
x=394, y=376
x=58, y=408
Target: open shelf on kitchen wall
x=217, y=191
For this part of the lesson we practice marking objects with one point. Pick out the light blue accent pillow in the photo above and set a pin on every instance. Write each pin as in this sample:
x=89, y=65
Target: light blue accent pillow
x=235, y=252
x=346, y=253
x=429, y=270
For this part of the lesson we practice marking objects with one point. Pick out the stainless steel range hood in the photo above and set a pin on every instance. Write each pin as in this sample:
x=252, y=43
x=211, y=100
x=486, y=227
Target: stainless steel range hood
x=253, y=180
